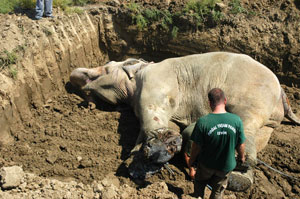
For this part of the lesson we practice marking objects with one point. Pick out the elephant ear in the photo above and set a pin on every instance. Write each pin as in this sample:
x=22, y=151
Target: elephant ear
x=131, y=70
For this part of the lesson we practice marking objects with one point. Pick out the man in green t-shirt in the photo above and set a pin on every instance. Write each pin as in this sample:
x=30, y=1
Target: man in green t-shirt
x=215, y=138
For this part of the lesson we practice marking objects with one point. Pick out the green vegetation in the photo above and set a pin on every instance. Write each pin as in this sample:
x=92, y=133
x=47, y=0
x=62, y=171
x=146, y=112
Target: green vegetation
x=143, y=18
x=201, y=10
x=71, y=10
x=201, y=7
x=13, y=72
x=236, y=7
x=8, y=6
x=26, y=4
x=46, y=31
x=174, y=32
x=197, y=10
x=7, y=59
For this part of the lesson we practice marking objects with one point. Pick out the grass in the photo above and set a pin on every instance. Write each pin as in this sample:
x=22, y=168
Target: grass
x=174, y=32
x=13, y=72
x=46, y=31
x=143, y=18
x=7, y=60
x=236, y=8
x=9, y=6
x=200, y=10
x=71, y=10
x=6, y=6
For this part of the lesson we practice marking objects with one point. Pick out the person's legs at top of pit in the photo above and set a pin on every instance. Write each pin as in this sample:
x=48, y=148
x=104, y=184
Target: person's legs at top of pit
x=39, y=9
x=48, y=8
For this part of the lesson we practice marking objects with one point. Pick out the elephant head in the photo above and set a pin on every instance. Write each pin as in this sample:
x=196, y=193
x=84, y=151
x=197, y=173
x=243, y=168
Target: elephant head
x=113, y=82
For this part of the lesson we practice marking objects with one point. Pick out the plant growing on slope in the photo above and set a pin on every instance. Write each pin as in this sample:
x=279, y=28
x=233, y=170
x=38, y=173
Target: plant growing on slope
x=7, y=59
x=142, y=17
x=236, y=7
x=200, y=10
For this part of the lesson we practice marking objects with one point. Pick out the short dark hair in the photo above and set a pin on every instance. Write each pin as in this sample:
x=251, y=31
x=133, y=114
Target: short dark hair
x=216, y=96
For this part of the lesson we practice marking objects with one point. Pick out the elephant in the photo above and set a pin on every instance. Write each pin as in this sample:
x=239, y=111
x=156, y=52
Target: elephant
x=172, y=94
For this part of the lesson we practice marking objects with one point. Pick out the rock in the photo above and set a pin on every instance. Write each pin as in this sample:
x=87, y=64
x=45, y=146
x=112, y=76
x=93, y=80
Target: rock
x=11, y=177
x=297, y=95
x=98, y=188
x=221, y=7
x=109, y=192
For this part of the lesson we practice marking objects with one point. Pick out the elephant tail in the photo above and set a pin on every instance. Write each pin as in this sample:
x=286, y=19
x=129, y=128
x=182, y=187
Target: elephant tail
x=288, y=113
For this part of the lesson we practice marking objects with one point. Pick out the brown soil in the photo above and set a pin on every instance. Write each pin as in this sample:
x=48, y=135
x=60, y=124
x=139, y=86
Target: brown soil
x=59, y=135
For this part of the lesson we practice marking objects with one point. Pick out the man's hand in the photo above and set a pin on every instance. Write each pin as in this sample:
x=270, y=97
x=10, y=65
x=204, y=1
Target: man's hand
x=192, y=170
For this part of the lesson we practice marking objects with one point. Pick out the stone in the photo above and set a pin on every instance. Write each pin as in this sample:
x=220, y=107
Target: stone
x=11, y=177
x=109, y=192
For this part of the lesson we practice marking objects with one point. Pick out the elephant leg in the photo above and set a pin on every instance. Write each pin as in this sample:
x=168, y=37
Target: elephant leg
x=240, y=181
x=252, y=130
x=262, y=138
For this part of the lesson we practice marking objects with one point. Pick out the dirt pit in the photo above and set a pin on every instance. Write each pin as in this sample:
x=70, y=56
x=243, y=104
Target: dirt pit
x=69, y=139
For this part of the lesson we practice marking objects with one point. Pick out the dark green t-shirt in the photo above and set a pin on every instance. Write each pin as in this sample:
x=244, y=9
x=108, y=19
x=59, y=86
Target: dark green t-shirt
x=218, y=135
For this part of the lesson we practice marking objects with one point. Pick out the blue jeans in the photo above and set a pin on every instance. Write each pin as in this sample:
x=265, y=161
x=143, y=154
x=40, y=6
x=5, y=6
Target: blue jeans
x=39, y=9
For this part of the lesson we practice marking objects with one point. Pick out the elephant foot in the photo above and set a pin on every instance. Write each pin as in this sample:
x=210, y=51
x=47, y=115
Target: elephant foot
x=239, y=181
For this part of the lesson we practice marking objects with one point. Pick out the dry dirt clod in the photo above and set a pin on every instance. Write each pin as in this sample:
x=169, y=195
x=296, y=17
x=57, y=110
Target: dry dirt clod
x=11, y=177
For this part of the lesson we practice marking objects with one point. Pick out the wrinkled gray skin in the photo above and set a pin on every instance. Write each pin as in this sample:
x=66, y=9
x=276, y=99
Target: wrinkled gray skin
x=175, y=91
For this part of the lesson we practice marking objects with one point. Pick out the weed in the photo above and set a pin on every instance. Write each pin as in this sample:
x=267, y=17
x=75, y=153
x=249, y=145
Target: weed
x=6, y=6
x=71, y=10
x=13, y=72
x=80, y=2
x=26, y=4
x=8, y=59
x=141, y=22
x=152, y=14
x=236, y=7
x=217, y=16
x=144, y=17
x=174, y=32
x=21, y=48
x=137, y=16
x=251, y=13
x=202, y=7
x=134, y=7
x=199, y=10
x=166, y=20
x=46, y=31
x=62, y=3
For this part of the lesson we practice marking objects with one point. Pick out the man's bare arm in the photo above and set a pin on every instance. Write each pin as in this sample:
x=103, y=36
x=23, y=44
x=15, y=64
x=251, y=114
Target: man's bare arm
x=194, y=153
x=191, y=159
x=241, y=152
